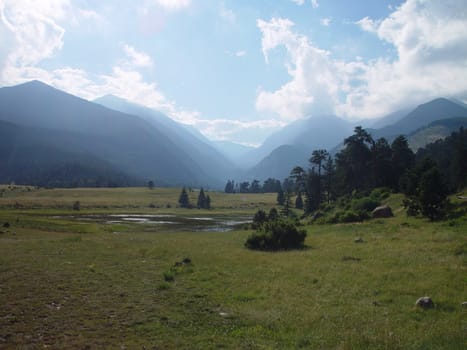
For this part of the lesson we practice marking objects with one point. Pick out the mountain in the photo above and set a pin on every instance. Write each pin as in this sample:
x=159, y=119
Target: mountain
x=306, y=134
x=126, y=142
x=279, y=163
x=233, y=151
x=188, y=139
x=439, y=129
x=36, y=156
x=424, y=114
x=386, y=120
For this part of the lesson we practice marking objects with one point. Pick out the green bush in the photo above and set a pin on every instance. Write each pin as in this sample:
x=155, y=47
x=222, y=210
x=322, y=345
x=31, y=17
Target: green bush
x=277, y=235
x=364, y=204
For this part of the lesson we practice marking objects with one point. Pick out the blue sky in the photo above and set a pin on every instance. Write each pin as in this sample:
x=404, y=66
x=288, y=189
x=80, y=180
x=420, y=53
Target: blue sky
x=240, y=69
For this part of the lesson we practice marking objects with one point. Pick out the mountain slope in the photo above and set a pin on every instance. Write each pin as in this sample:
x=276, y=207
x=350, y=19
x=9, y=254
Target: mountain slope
x=424, y=114
x=128, y=143
x=306, y=134
x=40, y=157
x=279, y=163
x=437, y=130
x=233, y=151
x=194, y=144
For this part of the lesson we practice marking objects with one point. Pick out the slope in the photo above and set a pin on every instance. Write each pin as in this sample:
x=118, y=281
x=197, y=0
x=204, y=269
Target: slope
x=127, y=142
x=193, y=143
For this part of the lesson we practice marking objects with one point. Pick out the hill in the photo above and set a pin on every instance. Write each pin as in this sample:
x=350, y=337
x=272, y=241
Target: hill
x=424, y=114
x=187, y=139
x=279, y=163
x=42, y=157
x=128, y=143
x=436, y=130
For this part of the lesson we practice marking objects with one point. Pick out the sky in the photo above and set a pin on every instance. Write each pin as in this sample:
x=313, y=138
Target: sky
x=239, y=70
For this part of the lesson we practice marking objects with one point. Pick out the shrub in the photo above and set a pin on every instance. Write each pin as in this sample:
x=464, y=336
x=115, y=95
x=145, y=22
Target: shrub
x=76, y=205
x=364, y=204
x=277, y=235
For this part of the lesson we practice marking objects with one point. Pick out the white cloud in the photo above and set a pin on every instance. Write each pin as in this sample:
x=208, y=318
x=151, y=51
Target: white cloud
x=240, y=53
x=137, y=58
x=325, y=21
x=429, y=38
x=227, y=14
x=314, y=3
x=314, y=84
x=173, y=5
x=298, y=2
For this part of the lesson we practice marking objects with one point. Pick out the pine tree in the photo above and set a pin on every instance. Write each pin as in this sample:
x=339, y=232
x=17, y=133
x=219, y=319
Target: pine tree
x=280, y=197
x=207, y=203
x=299, y=201
x=183, y=200
x=201, y=203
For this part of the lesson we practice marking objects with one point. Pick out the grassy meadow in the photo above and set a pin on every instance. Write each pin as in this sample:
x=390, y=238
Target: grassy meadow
x=84, y=284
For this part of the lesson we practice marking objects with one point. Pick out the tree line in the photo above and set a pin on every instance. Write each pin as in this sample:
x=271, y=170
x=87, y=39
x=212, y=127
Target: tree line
x=363, y=164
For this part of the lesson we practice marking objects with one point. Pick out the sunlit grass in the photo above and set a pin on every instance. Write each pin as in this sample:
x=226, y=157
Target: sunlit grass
x=65, y=284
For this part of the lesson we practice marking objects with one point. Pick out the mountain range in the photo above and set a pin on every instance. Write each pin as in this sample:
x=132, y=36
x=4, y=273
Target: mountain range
x=50, y=137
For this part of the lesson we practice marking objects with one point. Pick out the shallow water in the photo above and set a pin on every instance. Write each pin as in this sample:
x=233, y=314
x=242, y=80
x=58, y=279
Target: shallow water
x=169, y=221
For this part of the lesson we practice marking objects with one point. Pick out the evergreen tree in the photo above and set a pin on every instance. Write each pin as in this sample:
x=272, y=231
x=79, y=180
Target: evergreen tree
x=207, y=203
x=201, y=203
x=402, y=159
x=298, y=175
x=151, y=185
x=183, y=200
x=287, y=204
x=255, y=187
x=330, y=171
x=230, y=187
x=273, y=214
x=299, y=201
x=280, y=197
x=381, y=164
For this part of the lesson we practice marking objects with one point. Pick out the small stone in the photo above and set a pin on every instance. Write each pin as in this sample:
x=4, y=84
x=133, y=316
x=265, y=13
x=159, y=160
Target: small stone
x=223, y=314
x=464, y=304
x=358, y=240
x=425, y=303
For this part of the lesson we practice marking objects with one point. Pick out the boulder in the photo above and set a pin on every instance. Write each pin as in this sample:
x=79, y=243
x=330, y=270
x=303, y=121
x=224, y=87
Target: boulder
x=358, y=240
x=425, y=303
x=383, y=211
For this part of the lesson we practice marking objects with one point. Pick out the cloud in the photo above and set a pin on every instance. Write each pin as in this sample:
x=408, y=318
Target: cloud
x=313, y=87
x=136, y=58
x=314, y=3
x=325, y=21
x=173, y=5
x=430, y=61
x=227, y=14
x=240, y=53
x=429, y=37
x=298, y=2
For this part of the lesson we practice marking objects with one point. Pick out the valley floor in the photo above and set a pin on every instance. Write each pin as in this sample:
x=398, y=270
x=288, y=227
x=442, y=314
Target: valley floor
x=67, y=283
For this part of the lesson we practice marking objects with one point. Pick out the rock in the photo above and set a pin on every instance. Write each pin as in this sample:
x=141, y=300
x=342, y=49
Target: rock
x=464, y=304
x=358, y=240
x=425, y=303
x=383, y=211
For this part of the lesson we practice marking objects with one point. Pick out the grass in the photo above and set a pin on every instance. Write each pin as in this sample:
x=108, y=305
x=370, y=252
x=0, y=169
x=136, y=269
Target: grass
x=67, y=284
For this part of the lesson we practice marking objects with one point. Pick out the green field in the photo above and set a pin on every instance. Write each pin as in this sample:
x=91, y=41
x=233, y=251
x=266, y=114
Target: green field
x=70, y=283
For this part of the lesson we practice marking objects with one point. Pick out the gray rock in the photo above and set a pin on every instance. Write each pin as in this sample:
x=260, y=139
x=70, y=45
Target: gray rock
x=425, y=303
x=383, y=211
x=464, y=304
x=358, y=240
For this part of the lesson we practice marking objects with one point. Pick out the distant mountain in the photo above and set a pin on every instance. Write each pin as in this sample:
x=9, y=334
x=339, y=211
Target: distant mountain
x=279, y=163
x=126, y=142
x=41, y=157
x=233, y=151
x=437, y=130
x=306, y=134
x=386, y=120
x=424, y=114
x=188, y=139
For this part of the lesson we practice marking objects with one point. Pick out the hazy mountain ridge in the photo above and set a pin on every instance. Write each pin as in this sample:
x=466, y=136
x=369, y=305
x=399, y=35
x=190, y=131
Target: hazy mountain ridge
x=191, y=142
x=127, y=142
